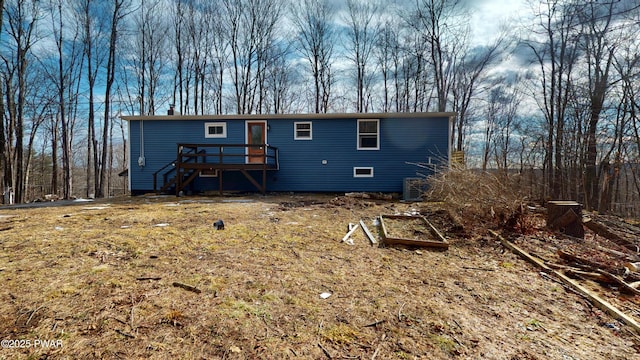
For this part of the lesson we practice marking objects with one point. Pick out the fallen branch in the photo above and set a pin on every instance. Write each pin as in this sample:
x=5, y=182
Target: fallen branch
x=603, y=230
x=581, y=261
x=148, y=278
x=628, y=255
x=133, y=305
x=125, y=334
x=581, y=273
x=400, y=312
x=619, y=281
x=375, y=353
x=187, y=287
x=33, y=313
x=375, y=323
x=632, y=266
x=455, y=220
x=118, y=320
x=375, y=196
x=606, y=232
x=325, y=351
x=595, y=299
x=632, y=276
x=477, y=268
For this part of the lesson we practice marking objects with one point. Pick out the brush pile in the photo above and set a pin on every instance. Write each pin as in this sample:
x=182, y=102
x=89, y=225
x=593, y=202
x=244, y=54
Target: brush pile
x=498, y=199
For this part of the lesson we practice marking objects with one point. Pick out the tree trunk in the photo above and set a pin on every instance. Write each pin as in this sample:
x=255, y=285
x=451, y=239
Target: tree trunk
x=54, y=155
x=110, y=78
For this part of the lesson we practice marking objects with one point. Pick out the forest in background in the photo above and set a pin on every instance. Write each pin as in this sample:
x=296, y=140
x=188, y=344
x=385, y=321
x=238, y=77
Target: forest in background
x=553, y=95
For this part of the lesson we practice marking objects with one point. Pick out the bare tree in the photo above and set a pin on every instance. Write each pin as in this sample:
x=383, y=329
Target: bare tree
x=316, y=38
x=63, y=69
x=443, y=29
x=468, y=74
x=410, y=78
x=40, y=100
x=200, y=56
x=183, y=55
x=596, y=19
x=556, y=57
x=5, y=181
x=625, y=164
x=199, y=24
x=119, y=10
x=251, y=25
x=363, y=32
x=388, y=53
x=150, y=56
x=218, y=56
x=278, y=92
x=503, y=103
x=91, y=16
x=22, y=17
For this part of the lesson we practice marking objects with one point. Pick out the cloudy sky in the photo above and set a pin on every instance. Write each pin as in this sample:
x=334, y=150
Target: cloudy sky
x=488, y=15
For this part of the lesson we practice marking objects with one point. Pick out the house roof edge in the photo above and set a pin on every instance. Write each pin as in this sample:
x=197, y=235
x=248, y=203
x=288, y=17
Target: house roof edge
x=305, y=116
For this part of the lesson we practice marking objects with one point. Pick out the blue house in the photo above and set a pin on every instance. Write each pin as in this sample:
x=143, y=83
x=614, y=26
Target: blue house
x=300, y=153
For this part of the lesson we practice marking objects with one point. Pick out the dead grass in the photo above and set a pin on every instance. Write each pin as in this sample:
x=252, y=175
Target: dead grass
x=100, y=277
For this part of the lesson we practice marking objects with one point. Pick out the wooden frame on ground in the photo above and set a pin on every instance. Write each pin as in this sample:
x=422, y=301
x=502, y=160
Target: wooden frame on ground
x=439, y=242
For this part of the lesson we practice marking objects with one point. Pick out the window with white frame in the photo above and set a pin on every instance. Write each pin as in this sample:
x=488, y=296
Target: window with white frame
x=209, y=173
x=368, y=134
x=362, y=172
x=215, y=130
x=302, y=130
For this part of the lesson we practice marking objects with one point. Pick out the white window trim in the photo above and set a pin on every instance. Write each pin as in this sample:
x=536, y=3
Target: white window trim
x=214, y=173
x=355, y=168
x=210, y=124
x=377, y=132
x=295, y=130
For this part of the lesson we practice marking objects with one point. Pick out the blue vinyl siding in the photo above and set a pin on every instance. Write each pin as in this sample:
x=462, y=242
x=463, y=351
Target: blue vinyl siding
x=402, y=140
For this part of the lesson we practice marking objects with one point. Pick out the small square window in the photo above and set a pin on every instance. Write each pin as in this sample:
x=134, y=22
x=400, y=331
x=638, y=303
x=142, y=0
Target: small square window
x=368, y=135
x=209, y=173
x=363, y=172
x=302, y=131
x=215, y=130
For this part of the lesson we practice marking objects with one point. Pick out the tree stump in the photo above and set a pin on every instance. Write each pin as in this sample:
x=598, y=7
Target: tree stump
x=565, y=217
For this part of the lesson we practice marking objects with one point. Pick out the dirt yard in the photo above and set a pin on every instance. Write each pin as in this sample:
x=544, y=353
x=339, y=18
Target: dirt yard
x=149, y=277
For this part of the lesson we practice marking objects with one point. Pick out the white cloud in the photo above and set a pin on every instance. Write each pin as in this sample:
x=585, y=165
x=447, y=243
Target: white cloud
x=490, y=16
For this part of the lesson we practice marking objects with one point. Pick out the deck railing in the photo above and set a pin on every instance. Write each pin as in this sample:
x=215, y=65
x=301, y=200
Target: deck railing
x=192, y=159
x=220, y=156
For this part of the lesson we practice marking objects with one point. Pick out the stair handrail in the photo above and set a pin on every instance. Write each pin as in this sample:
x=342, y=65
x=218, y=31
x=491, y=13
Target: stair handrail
x=173, y=165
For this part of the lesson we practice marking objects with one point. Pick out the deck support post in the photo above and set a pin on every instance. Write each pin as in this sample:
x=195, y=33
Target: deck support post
x=264, y=179
x=179, y=170
x=254, y=182
x=189, y=164
x=220, y=172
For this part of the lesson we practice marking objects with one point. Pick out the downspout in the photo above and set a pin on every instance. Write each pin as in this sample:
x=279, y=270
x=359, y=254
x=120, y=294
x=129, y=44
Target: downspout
x=129, y=154
x=452, y=119
x=141, y=158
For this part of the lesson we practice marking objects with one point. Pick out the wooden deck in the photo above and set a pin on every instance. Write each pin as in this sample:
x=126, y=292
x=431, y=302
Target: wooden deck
x=193, y=159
